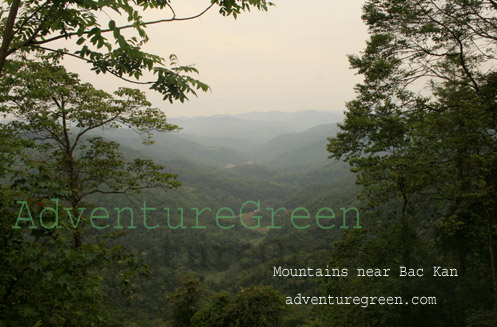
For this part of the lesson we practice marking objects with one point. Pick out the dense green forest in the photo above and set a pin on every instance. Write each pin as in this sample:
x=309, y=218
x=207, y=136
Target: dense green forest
x=110, y=211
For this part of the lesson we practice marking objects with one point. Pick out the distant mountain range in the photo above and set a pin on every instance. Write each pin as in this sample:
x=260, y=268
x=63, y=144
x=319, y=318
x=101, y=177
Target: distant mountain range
x=256, y=127
x=295, y=141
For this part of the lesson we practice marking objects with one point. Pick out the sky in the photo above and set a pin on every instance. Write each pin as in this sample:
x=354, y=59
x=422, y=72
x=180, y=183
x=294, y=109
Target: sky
x=293, y=57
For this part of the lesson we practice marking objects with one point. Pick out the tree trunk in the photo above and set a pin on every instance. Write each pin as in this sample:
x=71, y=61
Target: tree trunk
x=492, y=257
x=8, y=33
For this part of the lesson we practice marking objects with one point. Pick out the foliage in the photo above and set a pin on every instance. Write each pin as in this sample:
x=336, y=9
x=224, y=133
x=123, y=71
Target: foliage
x=426, y=159
x=48, y=282
x=104, y=41
x=184, y=301
x=58, y=113
x=252, y=306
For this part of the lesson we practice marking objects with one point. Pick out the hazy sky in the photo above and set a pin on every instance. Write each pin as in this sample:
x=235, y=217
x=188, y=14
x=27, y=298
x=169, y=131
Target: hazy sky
x=290, y=58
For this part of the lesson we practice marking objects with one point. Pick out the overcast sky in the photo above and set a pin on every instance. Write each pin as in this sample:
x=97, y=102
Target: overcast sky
x=290, y=58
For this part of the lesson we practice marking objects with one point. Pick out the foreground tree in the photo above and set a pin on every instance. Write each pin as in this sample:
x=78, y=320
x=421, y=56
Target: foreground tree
x=60, y=114
x=56, y=275
x=101, y=41
x=427, y=160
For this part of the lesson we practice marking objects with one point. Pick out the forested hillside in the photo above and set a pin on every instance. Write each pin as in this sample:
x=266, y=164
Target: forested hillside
x=290, y=170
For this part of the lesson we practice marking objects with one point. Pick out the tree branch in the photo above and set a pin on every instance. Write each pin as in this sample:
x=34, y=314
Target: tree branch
x=120, y=28
x=91, y=62
x=93, y=127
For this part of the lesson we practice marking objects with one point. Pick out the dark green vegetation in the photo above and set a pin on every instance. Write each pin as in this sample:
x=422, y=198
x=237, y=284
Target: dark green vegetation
x=427, y=161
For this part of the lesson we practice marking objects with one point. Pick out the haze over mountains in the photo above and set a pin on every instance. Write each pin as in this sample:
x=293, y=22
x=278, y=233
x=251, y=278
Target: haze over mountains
x=289, y=141
x=255, y=127
x=273, y=139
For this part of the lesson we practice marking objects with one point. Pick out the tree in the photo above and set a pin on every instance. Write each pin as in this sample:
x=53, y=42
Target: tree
x=60, y=114
x=101, y=41
x=252, y=306
x=59, y=266
x=421, y=135
x=185, y=301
